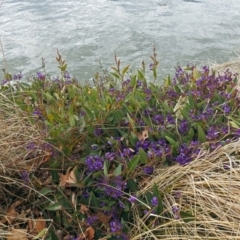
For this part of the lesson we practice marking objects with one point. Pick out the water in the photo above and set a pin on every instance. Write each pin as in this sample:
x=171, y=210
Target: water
x=87, y=31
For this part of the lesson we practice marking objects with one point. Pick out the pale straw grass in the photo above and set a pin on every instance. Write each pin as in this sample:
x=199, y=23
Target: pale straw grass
x=210, y=191
x=232, y=65
x=16, y=134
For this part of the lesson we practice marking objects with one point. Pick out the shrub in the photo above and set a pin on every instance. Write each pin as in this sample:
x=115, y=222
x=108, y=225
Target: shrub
x=112, y=137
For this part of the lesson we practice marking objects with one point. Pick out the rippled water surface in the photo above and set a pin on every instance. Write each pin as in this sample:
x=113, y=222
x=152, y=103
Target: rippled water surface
x=88, y=30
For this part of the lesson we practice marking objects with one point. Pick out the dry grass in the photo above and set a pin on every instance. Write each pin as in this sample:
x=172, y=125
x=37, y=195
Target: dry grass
x=208, y=190
x=16, y=134
x=233, y=66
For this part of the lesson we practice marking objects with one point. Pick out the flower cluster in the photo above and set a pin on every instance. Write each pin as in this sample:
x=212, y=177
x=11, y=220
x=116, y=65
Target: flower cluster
x=94, y=163
x=119, y=131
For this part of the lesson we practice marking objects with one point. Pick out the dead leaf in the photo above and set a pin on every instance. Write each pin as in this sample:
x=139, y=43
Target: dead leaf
x=16, y=234
x=103, y=217
x=69, y=177
x=46, y=157
x=59, y=234
x=144, y=135
x=36, y=225
x=72, y=177
x=74, y=202
x=12, y=214
x=83, y=209
x=88, y=234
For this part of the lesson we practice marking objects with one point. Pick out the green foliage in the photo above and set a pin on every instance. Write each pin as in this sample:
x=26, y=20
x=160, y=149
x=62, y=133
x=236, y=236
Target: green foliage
x=113, y=133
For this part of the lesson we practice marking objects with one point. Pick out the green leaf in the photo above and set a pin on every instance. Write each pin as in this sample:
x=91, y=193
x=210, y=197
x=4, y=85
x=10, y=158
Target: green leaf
x=155, y=72
x=118, y=170
x=65, y=203
x=190, y=134
x=168, y=81
x=234, y=124
x=125, y=69
x=89, y=113
x=141, y=75
x=132, y=185
x=196, y=74
x=191, y=101
x=105, y=168
x=171, y=141
x=186, y=216
x=45, y=191
x=157, y=194
x=93, y=200
x=133, y=163
x=115, y=69
x=41, y=233
x=148, y=196
x=185, y=114
x=51, y=236
x=143, y=157
x=131, y=121
x=55, y=176
x=201, y=135
x=115, y=75
x=54, y=207
x=71, y=120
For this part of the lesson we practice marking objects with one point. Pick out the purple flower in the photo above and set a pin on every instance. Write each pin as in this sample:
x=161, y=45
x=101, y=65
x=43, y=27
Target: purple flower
x=226, y=108
x=126, y=82
x=46, y=147
x=94, y=163
x=56, y=80
x=177, y=194
x=142, y=144
x=185, y=155
x=31, y=146
x=115, y=226
x=67, y=75
x=132, y=199
x=170, y=119
x=4, y=81
x=91, y=220
x=183, y=159
x=114, y=187
x=172, y=94
x=151, y=66
x=154, y=201
x=85, y=194
x=158, y=119
x=205, y=69
x=98, y=131
x=148, y=170
x=94, y=147
x=110, y=156
x=25, y=177
x=176, y=211
x=18, y=76
x=183, y=127
x=126, y=152
x=139, y=83
x=82, y=113
x=215, y=145
x=37, y=112
x=121, y=205
x=40, y=75
x=148, y=93
x=212, y=133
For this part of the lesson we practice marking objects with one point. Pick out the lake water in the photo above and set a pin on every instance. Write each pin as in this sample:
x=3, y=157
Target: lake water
x=87, y=31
